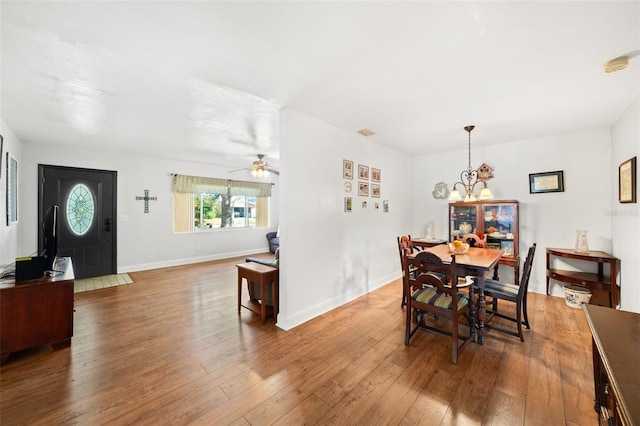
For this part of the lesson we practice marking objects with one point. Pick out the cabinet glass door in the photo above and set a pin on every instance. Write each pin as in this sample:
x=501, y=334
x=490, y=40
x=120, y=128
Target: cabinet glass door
x=499, y=227
x=463, y=221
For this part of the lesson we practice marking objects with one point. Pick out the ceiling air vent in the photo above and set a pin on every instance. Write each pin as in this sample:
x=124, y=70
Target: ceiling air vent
x=366, y=132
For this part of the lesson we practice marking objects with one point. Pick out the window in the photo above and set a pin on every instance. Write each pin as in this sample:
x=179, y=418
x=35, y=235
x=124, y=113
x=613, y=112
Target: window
x=208, y=203
x=220, y=211
x=80, y=209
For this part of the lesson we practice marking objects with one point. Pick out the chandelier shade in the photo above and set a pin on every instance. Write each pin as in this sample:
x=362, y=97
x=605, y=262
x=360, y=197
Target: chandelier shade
x=469, y=181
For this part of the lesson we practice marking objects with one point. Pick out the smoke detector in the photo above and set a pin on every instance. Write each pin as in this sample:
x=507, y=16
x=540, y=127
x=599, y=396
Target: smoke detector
x=616, y=64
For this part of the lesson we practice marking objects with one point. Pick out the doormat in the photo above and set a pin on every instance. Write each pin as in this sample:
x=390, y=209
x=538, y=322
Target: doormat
x=105, y=281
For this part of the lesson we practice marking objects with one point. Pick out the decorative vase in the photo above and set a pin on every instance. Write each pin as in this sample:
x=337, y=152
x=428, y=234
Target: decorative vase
x=582, y=245
x=465, y=228
x=430, y=234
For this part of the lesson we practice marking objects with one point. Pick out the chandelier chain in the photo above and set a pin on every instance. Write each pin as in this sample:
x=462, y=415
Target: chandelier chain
x=469, y=131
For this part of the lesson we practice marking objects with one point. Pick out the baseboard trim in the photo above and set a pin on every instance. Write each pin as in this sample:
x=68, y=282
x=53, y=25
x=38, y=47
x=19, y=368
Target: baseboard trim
x=288, y=322
x=188, y=260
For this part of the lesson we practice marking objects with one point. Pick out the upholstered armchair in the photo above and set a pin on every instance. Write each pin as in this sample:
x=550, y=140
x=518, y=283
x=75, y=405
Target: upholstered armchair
x=274, y=241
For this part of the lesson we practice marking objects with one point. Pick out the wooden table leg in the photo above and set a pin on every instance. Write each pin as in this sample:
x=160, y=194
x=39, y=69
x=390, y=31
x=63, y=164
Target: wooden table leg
x=239, y=290
x=482, y=314
x=263, y=300
x=472, y=314
x=275, y=295
x=548, y=261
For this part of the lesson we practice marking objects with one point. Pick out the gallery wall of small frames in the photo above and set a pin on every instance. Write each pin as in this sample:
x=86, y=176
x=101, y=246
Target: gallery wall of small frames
x=368, y=184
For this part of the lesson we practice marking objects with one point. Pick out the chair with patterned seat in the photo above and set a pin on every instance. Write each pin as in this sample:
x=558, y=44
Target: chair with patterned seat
x=428, y=291
x=515, y=293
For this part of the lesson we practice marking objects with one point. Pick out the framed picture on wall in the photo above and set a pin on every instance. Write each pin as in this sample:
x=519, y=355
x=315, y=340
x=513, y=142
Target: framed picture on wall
x=375, y=175
x=363, y=189
x=348, y=204
x=375, y=190
x=627, y=181
x=12, y=190
x=363, y=172
x=347, y=169
x=546, y=182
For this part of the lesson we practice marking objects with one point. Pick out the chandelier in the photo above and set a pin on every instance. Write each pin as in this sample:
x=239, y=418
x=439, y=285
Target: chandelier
x=471, y=178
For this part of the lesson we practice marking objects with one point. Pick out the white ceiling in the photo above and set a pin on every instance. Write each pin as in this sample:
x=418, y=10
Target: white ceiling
x=204, y=80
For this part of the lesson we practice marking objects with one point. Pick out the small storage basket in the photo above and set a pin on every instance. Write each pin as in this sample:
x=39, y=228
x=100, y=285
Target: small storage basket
x=575, y=296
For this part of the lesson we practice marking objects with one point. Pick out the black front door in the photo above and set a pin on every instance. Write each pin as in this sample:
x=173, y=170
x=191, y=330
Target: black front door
x=87, y=211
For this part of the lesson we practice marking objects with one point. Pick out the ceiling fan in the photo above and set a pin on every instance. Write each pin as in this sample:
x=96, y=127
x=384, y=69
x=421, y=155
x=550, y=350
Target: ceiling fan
x=260, y=168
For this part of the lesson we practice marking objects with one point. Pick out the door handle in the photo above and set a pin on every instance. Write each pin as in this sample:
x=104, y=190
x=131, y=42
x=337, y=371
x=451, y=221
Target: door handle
x=107, y=225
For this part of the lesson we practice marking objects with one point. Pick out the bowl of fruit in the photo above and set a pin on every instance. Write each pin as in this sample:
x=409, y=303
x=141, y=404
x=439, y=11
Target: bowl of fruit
x=458, y=247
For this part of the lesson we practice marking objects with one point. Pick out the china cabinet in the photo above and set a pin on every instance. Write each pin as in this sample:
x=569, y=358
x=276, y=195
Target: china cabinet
x=494, y=222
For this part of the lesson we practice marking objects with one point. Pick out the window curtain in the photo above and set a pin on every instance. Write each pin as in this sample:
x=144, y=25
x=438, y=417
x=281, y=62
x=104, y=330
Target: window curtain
x=200, y=185
x=183, y=212
x=262, y=212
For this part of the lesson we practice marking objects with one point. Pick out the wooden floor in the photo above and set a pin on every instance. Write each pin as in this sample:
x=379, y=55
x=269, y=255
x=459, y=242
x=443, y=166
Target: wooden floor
x=171, y=349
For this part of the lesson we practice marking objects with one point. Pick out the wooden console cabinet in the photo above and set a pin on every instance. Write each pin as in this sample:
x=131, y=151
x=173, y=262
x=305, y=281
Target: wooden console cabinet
x=615, y=364
x=37, y=312
x=593, y=281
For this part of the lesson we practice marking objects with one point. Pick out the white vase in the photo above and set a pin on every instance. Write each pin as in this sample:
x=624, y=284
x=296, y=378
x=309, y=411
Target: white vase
x=582, y=245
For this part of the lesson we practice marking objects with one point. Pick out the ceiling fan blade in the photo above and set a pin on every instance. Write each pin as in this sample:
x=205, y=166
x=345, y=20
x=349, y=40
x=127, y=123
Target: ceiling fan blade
x=239, y=170
x=274, y=171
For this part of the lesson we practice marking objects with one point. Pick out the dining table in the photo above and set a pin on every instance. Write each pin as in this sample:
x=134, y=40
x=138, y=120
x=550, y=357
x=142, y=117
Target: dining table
x=477, y=262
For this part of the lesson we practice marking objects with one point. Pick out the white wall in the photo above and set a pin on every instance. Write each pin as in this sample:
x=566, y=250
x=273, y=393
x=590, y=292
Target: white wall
x=548, y=219
x=8, y=234
x=625, y=218
x=329, y=257
x=145, y=240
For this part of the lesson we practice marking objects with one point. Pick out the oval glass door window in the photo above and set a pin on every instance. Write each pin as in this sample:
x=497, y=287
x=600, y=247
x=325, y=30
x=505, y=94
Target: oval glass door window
x=80, y=209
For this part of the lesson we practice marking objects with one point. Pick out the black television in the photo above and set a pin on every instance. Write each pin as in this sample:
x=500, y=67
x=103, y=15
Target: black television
x=50, y=237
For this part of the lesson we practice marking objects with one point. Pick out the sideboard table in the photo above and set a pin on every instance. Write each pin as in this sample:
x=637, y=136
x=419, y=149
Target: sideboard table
x=591, y=280
x=615, y=364
x=37, y=312
x=425, y=243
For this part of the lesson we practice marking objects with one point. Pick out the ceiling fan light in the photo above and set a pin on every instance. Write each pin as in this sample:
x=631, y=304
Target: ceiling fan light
x=259, y=172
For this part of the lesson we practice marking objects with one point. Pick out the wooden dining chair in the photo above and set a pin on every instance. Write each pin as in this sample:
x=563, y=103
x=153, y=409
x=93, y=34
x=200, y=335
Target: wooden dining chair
x=474, y=240
x=405, y=248
x=515, y=293
x=428, y=291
